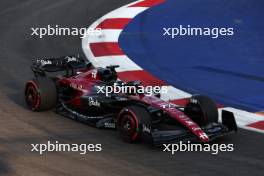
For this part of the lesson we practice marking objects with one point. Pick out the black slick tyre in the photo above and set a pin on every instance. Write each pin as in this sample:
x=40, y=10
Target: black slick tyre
x=41, y=94
x=131, y=121
x=201, y=110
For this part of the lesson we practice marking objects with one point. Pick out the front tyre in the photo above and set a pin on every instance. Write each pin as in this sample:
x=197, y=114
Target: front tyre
x=41, y=94
x=201, y=110
x=131, y=123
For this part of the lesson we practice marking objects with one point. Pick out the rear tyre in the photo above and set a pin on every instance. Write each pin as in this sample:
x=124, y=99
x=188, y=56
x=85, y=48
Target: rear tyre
x=41, y=94
x=201, y=110
x=131, y=121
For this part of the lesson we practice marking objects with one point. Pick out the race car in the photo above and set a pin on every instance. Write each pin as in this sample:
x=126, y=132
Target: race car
x=73, y=87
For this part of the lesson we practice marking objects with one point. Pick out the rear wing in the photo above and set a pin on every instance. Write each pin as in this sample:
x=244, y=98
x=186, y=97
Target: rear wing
x=67, y=64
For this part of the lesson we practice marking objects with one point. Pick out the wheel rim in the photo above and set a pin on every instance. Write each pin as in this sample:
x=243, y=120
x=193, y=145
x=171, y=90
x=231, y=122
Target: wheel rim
x=128, y=127
x=32, y=97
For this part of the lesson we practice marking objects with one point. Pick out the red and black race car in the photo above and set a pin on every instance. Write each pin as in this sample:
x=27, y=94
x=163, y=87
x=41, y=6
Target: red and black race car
x=70, y=85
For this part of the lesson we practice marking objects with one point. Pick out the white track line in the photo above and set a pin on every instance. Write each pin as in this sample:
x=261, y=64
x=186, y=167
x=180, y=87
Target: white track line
x=125, y=64
x=107, y=35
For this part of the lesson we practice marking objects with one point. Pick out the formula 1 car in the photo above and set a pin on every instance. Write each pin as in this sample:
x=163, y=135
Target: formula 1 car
x=70, y=85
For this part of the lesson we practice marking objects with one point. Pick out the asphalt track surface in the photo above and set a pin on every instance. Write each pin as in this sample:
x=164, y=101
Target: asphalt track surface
x=20, y=127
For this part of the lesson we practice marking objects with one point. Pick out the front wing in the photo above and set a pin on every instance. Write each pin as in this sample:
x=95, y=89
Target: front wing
x=213, y=131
